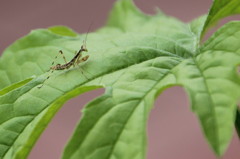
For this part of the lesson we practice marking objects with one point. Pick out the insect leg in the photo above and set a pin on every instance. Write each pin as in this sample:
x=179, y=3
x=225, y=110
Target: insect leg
x=64, y=58
x=82, y=72
x=52, y=68
x=49, y=74
x=85, y=58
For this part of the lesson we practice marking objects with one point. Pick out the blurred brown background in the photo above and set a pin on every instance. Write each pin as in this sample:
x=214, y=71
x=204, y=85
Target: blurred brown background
x=173, y=130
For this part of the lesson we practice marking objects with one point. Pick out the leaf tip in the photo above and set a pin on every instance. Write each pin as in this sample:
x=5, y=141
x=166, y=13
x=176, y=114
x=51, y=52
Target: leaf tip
x=121, y=11
x=62, y=30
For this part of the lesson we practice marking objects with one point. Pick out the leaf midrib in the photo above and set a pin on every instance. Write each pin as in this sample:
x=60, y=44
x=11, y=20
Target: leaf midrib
x=211, y=101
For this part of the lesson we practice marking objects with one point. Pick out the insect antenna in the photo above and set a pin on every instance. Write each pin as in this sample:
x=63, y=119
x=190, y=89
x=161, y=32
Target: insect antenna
x=84, y=41
x=81, y=59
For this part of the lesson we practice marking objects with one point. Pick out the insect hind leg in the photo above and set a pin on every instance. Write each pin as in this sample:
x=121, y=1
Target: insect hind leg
x=49, y=74
x=82, y=72
x=52, y=68
x=83, y=59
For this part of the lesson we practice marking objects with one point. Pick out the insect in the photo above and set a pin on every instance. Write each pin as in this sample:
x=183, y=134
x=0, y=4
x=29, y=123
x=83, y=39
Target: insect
x=76, y=60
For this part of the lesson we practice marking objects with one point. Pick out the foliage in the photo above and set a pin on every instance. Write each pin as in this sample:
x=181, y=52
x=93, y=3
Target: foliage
x=134, y=57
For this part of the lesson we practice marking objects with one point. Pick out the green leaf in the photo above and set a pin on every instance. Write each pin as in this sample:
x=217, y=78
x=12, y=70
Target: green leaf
x=200, y=75
x=196, y=28
x=14, y=86
x=219, y=10
x=134, y=57
x=219, y=92
x=25, y=112
x=62, y=30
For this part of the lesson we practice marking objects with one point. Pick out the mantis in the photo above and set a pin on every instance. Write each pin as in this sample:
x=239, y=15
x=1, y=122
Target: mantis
x=76, y=60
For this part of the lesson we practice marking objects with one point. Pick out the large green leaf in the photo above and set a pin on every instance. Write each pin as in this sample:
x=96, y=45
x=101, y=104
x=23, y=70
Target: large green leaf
x=219, y=10
x=134, y=57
